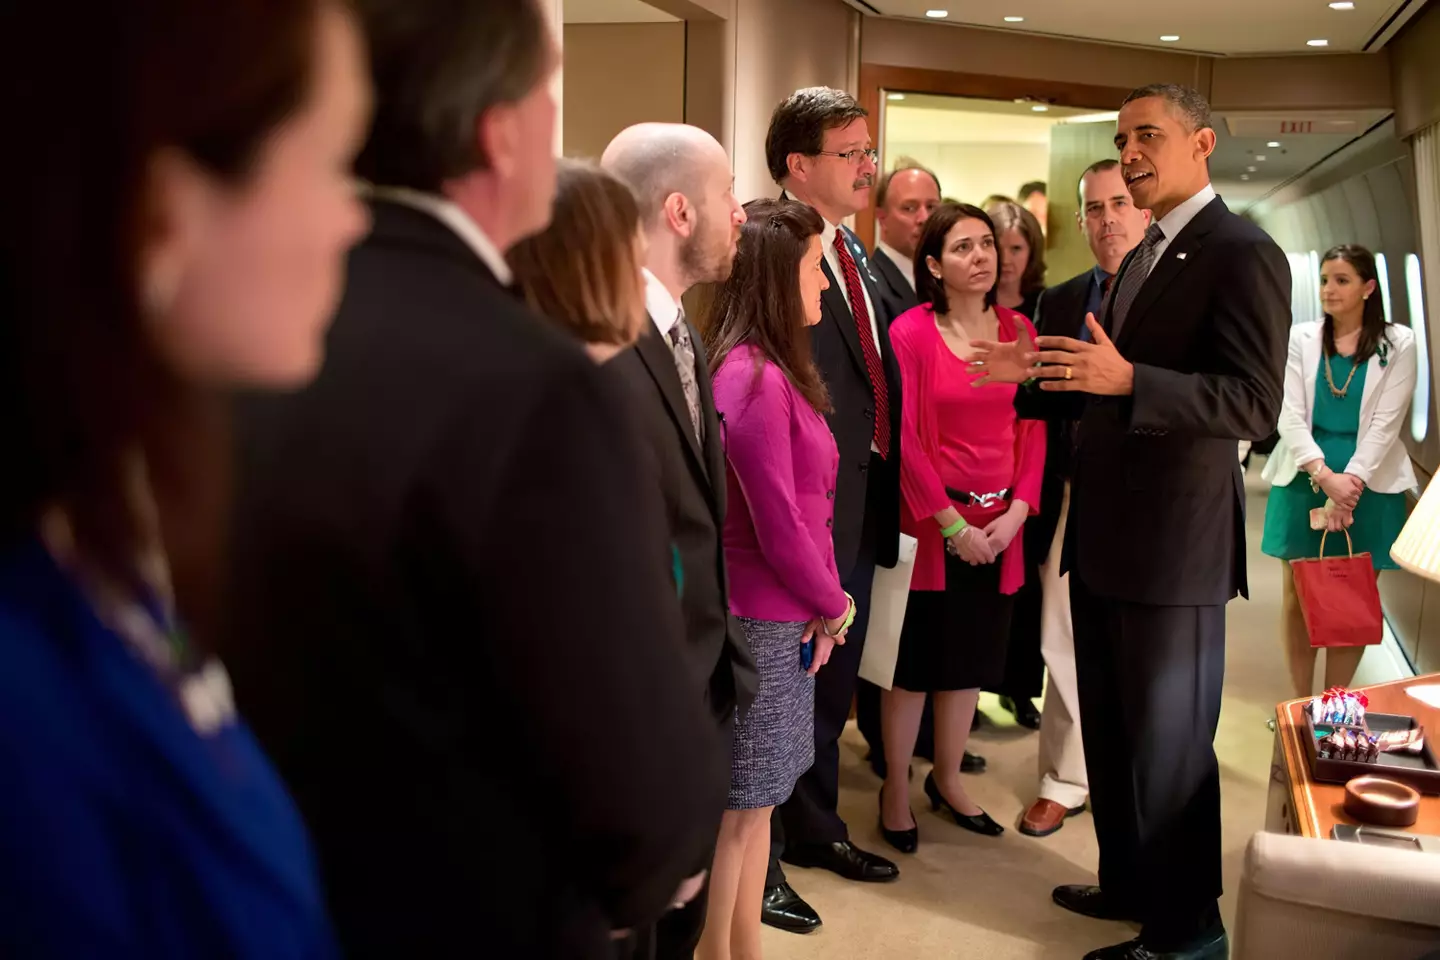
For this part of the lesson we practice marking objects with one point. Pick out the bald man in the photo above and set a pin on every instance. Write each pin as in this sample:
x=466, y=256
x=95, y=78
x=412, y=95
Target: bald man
x=904, y=200
x=688, y=212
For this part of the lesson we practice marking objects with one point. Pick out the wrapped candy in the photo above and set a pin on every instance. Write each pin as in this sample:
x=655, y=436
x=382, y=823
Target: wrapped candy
x=1338, y=705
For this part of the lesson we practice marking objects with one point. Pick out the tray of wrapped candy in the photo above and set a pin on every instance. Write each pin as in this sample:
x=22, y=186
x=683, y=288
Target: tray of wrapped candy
x=1346, y=740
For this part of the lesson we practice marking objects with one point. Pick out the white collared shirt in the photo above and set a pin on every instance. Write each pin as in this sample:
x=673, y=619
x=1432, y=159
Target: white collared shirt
x=1179, y=218
x=661, y=305
x=457, y=220
x=906, y=264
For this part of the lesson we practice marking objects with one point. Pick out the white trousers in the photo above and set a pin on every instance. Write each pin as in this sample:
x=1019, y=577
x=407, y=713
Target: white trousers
x=1062, y=755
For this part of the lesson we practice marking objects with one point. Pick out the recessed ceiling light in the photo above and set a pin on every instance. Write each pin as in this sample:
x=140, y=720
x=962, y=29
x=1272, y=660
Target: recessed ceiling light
x=937, y=14
x=1273, y=143
x=895, y=96
x=1170, y=37
x=1252, y=169
x=1342, y=5
x=1040, y=108
x=1317, y=43
x=1260, y=158
x=1244, y=176
x=1014, y=19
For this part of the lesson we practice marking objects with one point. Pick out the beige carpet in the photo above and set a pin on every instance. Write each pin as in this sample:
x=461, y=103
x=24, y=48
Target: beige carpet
x=963, y=895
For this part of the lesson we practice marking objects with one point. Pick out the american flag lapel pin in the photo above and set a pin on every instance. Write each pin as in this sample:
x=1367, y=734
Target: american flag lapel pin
x=1179, y=256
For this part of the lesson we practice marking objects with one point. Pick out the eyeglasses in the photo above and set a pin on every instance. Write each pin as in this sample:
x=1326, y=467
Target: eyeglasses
x=853, y=157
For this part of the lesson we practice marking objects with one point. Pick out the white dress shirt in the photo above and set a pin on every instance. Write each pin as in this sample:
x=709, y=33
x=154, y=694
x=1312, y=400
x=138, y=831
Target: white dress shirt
x=906, y=264
x=661, y=305
x=457, y=220
x=1179, y=218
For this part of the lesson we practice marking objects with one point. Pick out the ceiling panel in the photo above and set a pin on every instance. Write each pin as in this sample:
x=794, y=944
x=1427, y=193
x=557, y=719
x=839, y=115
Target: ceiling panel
x=1216, y=26
x=616, y=11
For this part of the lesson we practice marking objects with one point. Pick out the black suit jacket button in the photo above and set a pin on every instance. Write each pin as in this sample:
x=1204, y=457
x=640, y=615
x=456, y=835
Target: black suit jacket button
x=870, y=414
x=864, y=467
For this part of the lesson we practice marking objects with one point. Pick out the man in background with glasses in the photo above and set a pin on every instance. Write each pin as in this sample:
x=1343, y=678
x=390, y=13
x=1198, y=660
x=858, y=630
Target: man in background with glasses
x=819, y=150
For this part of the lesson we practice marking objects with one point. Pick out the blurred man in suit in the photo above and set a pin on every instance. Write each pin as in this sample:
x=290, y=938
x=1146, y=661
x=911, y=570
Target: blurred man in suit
x=1112, y=225
x=682, y=181
x=1187, y=359
x=818, y=150
x=455, y=624
x=903, y=202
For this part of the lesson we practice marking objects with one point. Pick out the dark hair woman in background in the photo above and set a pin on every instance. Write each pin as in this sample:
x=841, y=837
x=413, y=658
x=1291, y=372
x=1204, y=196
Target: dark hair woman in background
x=1022, y=247
x=175, y=225
x=781, y=463
x=969, y=477
x=1348, y=384
x=584, y=270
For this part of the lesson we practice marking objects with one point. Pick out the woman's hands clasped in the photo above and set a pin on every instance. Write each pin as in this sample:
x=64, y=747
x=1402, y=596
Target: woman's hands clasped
x=972, y=545
x=1343, y=488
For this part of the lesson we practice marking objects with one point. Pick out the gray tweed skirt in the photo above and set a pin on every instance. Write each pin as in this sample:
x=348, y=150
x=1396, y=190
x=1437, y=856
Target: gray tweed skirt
x=775, y=738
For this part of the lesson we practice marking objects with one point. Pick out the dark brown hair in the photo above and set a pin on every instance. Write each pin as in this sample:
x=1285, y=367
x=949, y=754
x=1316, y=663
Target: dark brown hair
x=931, y=289
x=439, y=65
x=583, y=271
x=1099, y=166
x=1010, y=215
x=760, y=303
x=85, y=395
x=798, y=125
x=1372, y=325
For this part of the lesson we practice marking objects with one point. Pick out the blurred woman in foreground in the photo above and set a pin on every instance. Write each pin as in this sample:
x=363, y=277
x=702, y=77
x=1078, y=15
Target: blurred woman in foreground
x=188, y=237
x=584, y=270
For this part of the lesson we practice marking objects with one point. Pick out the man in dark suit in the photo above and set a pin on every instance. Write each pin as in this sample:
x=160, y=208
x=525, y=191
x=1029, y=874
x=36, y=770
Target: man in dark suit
x=904, y=200
x=1112, y=226
x=818, y=149
x=455, y=627
x=682, y=181
x=1188, y=359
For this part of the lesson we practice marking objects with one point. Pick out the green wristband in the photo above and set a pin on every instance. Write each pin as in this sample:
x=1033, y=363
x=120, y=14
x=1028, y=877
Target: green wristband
x=850, y=616
x=954, y=528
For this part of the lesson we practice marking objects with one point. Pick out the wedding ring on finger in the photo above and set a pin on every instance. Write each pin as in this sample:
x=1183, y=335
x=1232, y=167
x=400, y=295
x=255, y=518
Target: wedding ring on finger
x=1069, y=372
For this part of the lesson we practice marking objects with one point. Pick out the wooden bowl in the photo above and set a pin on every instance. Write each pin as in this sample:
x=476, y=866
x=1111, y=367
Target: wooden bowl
x=1381, y=802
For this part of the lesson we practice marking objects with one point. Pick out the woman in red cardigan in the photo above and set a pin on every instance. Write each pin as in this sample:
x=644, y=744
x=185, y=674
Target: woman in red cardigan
x=969, y=476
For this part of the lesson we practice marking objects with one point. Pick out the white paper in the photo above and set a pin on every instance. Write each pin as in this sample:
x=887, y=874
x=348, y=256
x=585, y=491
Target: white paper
x=887, y=615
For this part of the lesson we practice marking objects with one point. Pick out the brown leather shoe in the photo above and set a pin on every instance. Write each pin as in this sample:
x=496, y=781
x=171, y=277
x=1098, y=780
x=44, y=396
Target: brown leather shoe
x=1045, y=817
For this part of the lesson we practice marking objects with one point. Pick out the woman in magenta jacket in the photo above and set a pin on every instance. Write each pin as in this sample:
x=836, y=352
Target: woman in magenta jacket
x=970, y=474
x=781, y=463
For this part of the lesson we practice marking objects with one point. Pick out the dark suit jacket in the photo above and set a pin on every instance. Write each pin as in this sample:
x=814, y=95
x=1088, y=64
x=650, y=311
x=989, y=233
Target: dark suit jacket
x=691, y=481
x=893, y=285
x=836, y=344
x=455, y=623
x=1060, y=312
x=1157, y=508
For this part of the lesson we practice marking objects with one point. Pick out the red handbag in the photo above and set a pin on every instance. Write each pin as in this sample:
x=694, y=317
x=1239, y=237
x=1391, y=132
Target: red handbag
x=1339, y=598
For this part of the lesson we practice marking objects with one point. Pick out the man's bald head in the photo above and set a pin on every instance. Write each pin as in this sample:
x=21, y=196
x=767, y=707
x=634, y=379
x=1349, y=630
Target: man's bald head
x=660, y=159
x=681, y=179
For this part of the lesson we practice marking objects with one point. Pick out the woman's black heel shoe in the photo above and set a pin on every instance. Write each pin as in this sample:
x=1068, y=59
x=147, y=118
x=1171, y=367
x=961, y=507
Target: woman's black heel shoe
x=906, y=841
x=980, y=823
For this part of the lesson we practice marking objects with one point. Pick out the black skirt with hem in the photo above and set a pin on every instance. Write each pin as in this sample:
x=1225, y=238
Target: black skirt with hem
x=956, y=638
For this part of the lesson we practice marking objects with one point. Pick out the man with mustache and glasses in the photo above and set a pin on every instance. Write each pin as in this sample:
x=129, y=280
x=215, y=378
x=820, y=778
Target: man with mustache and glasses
x=818, y=149
x=1112, y=225
x=1186, y=358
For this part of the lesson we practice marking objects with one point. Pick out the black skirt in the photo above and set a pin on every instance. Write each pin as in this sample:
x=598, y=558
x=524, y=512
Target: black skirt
x=955, y=639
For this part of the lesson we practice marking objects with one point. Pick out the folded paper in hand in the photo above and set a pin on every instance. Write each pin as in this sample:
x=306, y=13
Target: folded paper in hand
x=887, y=615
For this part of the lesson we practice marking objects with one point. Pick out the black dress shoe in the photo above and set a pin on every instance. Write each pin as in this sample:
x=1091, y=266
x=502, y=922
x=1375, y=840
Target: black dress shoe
x=1024, y=710
x=906, y=841
x=972, y=763
x=844, y=858
x=980, y=823
x=783, y=909
x=1090, y=901
x=1214, y=946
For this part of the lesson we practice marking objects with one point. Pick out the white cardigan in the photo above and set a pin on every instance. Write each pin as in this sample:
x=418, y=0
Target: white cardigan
x=1380, y=459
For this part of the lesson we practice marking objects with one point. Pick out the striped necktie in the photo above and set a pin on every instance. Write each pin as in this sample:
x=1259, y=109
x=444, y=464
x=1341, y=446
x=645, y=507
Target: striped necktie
x=1134, y=278
x=871, y=352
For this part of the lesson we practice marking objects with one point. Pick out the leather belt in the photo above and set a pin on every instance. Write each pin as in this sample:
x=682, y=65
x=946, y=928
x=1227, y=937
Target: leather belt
x=978, y=499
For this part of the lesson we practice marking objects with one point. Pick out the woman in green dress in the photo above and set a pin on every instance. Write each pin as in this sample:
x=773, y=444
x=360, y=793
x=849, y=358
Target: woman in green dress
x=1348, y=384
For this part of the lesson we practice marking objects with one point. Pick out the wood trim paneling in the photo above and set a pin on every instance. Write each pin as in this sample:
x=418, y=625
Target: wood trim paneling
x=876, y=78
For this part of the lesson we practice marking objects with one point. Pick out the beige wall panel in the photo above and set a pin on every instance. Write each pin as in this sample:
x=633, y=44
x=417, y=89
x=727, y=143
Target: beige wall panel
x=1415, y=71
x=617, y=74
x=1073, y=147
x=967, y=50
x=1341, y=82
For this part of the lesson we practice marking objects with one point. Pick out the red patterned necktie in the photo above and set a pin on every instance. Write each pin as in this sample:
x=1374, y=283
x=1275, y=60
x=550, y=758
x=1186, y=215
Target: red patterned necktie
x=873, y=366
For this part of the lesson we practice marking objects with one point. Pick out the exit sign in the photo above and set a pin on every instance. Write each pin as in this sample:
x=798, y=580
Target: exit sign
x=1270, y=126
x=1297, y=126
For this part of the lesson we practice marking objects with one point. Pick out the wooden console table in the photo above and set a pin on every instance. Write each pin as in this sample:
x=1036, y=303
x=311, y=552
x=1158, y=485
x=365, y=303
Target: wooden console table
x=1300, y=805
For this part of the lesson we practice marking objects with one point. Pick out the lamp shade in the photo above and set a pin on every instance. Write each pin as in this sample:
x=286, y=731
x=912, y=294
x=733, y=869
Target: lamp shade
x=1417, y=549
